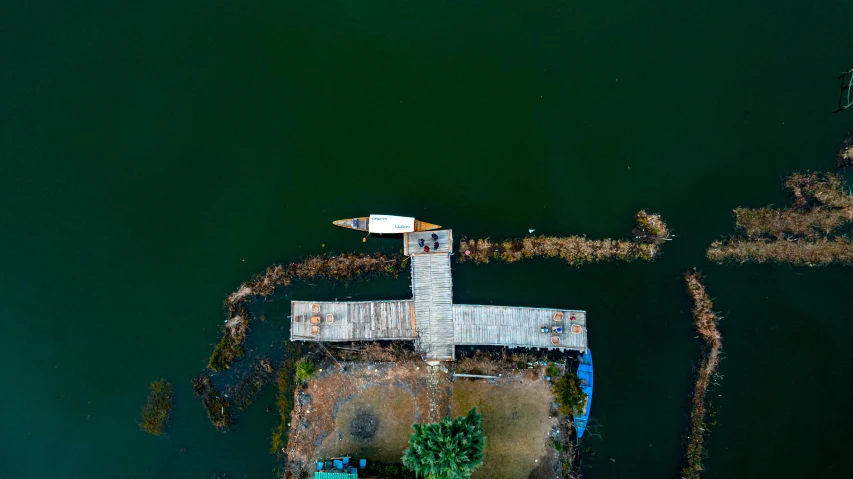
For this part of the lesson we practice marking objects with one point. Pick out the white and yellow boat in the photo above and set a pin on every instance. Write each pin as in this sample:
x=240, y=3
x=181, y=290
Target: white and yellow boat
x=386, y=224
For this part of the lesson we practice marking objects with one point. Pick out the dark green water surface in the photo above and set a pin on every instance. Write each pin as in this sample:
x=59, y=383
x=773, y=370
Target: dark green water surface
x=156, y=155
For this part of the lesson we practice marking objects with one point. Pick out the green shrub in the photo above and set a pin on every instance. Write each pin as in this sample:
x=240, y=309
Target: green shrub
x=567, y=392
x=304, y=370
x=552, y=370
x=450, y=449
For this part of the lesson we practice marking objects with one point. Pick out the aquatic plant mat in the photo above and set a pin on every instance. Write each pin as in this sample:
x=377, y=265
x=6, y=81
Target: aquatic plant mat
x=365, y=409
x=158, y=407
x=705, y=321
x=808, y=233
x=648, y=235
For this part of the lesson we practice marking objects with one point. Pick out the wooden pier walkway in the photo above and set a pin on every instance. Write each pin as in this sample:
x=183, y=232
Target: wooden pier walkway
x=431, y=319
x=432, y=288
x=352, y=320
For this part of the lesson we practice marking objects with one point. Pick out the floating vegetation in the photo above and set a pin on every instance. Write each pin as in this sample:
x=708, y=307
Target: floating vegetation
x=155, y=413
x=800, y=234
x=218, y=407
x=705, y=321
x=650, y=232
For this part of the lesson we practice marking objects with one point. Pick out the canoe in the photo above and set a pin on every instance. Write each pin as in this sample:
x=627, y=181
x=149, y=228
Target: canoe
x=585, y=375
x=385, y=224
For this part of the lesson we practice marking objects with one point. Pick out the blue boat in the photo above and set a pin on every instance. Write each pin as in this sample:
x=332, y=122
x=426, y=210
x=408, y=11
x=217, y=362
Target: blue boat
x=585, y=375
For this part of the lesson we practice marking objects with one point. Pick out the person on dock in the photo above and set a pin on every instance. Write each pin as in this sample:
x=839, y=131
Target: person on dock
x=435, y=237
x=435, y=245
x=421, y=242
x=426, y=249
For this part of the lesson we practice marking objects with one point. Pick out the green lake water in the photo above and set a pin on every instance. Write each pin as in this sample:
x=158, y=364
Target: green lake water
x=156, y=155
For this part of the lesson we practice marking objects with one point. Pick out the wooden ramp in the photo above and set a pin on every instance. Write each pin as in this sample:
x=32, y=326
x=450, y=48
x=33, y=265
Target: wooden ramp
x=432, y=288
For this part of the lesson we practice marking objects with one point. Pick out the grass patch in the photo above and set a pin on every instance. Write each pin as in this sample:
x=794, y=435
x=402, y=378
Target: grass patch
x=158, y=407
x=515, y=420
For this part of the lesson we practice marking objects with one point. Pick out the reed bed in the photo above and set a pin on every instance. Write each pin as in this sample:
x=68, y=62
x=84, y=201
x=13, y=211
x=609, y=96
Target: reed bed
x=795, y=252
x=801, y=234
x=649, y=233
x=705, y=321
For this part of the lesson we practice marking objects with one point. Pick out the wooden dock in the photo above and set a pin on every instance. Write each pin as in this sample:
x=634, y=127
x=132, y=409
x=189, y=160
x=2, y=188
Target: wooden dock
x=352, y=320
x=431, y=319
x=432, y=288
x=519, y=327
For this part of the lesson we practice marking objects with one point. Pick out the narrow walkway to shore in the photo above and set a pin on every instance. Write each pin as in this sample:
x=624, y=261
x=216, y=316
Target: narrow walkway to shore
x=439, y=398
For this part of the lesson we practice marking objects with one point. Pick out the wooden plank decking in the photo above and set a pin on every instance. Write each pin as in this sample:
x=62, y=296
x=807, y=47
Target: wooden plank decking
x=353, y=320
x=517, y=327
x=445, y=242
x=432, y=288
x=432, y=318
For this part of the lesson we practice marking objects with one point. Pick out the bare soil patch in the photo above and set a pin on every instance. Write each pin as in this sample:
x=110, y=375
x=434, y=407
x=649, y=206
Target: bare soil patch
x=516, y=422
x=362, y=409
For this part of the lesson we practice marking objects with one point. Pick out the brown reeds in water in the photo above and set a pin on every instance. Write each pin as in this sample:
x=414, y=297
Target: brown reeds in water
x=649, y=233
x=339, y=267
x=800, y=252
x=705, y=321
x=800, y=234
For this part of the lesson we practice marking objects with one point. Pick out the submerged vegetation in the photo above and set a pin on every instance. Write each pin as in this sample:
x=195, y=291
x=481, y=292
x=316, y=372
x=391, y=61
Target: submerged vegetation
x=450, y=449
x=705, y=321
x=649, y=233
x=801, y=234
x=218, y=408
x=158, y=407
x=845, y=154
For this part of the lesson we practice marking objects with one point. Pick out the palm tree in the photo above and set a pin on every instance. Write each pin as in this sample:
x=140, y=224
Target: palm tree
x=450, y=449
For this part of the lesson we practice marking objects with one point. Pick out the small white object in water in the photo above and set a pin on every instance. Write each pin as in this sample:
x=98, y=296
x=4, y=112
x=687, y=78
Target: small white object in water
x=531, y=230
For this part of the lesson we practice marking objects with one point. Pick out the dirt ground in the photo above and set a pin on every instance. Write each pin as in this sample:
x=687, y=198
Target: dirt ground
x=366, y=409
x=516, y=422
x=361, y=409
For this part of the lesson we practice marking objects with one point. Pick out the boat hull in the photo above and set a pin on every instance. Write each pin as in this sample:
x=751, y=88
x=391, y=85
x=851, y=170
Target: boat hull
x=363, y=224
x=585, y=374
